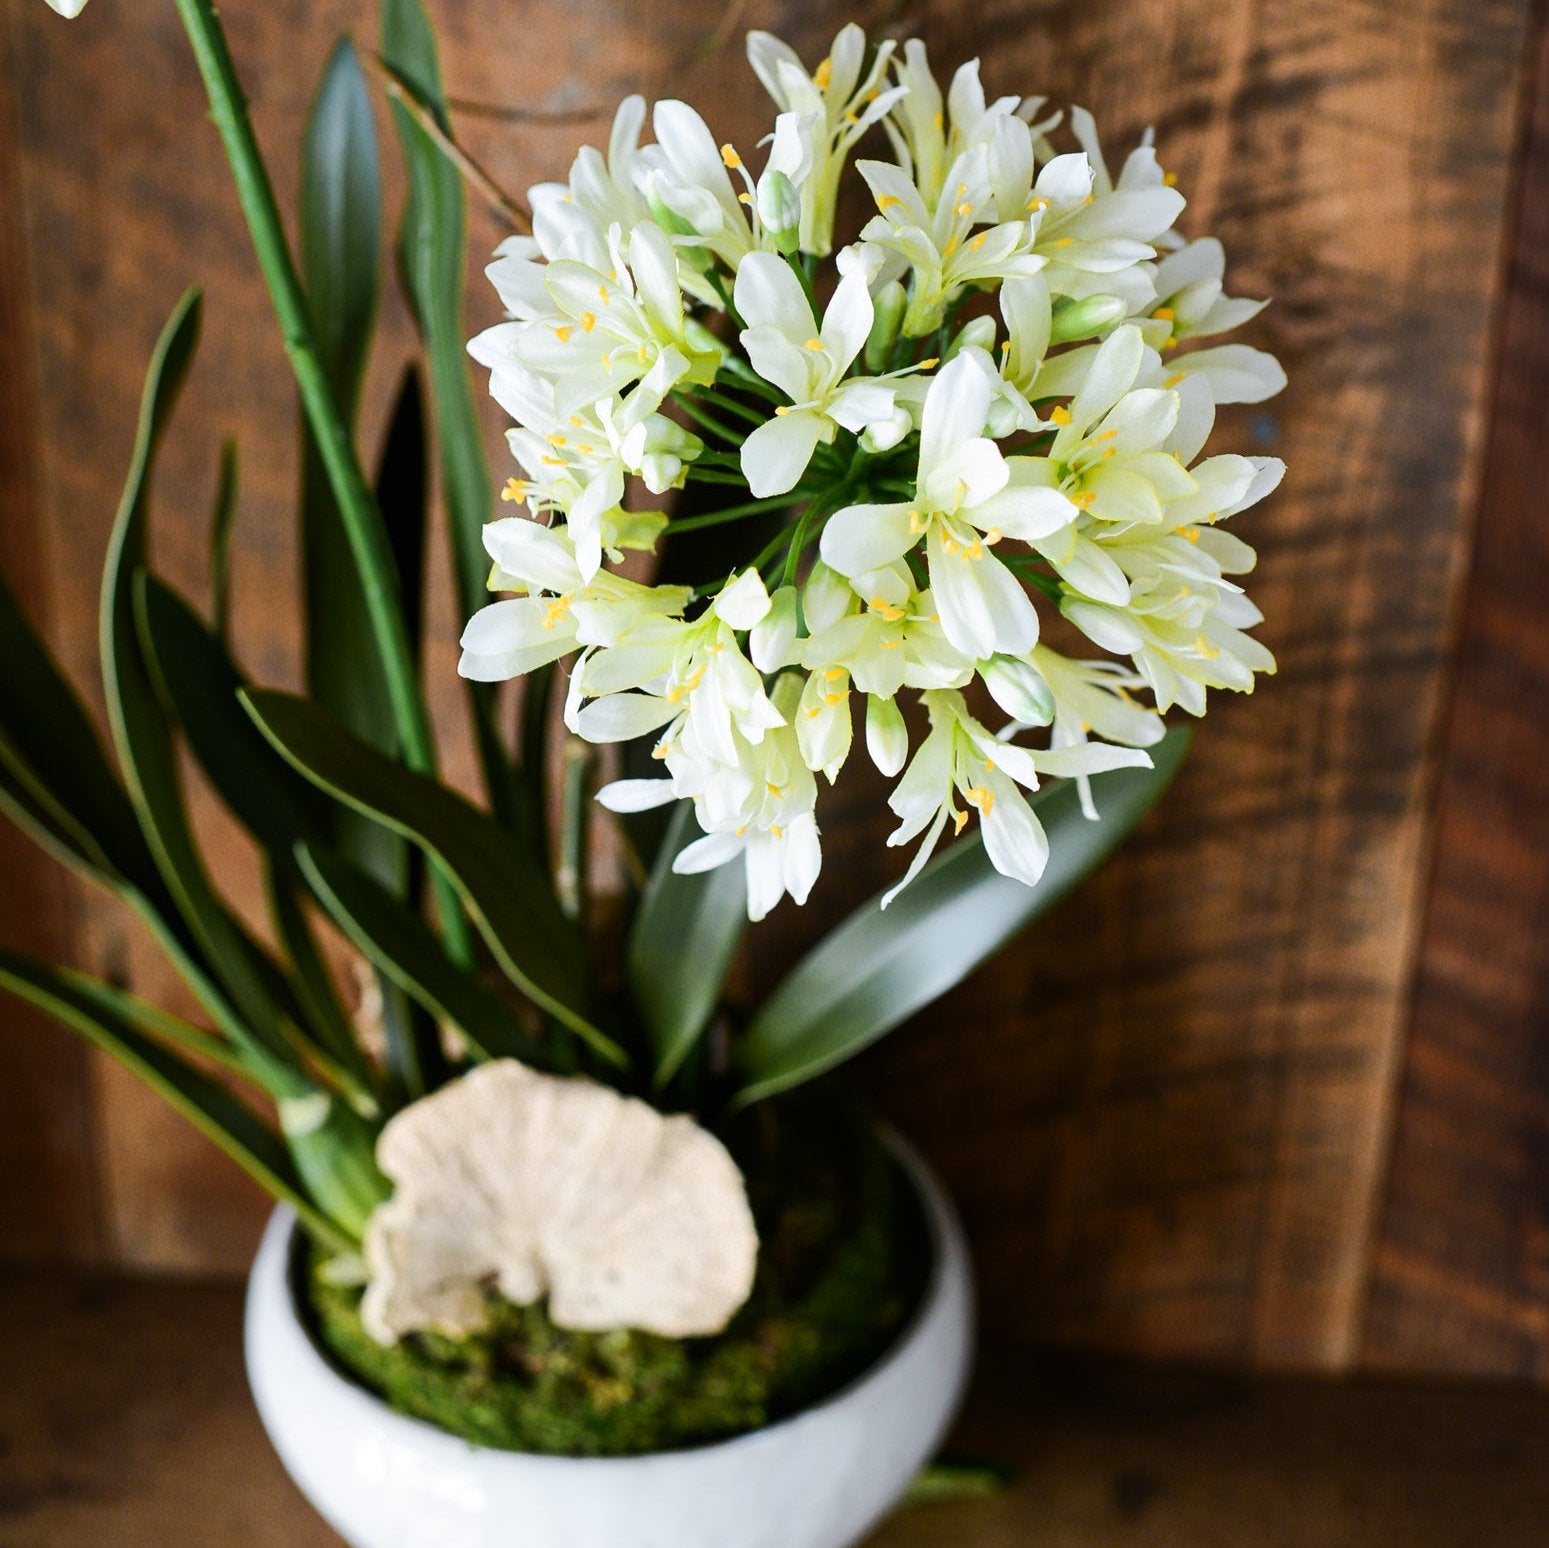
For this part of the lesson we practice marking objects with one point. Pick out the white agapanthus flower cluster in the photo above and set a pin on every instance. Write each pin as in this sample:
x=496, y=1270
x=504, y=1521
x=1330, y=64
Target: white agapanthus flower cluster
x=978, y=410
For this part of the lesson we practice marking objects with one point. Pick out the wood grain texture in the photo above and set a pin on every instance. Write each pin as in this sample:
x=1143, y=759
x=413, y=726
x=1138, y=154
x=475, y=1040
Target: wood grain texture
x=126, y=1422
x=1167, y=1112
x=47, y=1207
x=1461, y=1270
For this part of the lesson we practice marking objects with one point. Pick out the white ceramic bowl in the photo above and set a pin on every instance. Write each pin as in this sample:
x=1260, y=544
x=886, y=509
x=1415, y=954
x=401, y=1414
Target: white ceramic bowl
x=820, y=1479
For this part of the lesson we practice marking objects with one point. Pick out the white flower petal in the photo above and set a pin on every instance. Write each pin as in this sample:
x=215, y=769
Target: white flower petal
x=636, y=795
x=776, y=455
x=866, y=537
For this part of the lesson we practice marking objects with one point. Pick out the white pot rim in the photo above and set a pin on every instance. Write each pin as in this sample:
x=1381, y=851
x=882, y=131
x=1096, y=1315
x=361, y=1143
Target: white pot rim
x=944, y=1296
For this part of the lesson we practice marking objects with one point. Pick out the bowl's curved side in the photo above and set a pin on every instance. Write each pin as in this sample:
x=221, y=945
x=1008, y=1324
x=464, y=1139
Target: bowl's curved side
x=819, y=1479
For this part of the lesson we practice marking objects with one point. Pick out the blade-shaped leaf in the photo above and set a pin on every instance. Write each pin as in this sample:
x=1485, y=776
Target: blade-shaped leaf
x=878, y=968
x=685, y=933
x=222, y=521
x=199, y=684
x=432, y=257
x=403, y=946
x=341, y=261
x=252, y=1014
x=94, y=1011
x=403, y=496
x=506, y=894
x=341, y=221
x=48, y=743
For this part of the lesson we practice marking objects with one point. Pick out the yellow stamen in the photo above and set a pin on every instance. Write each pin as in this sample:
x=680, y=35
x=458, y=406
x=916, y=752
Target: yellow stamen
x=577, y=421
x=1191, y=533
x=553, y=462
x=959, y=821
x=1164, y=314
x=602, y=293
x=978, y=241
x=744, y=197
x=982, y=797
x=1205, y=648
x=1060, y=414
x=950, y=248
x=563, y=334
x=1174, y=379
x=992, y=537
x=556, y=439
x=1083, y=501
x=833, y=674
x=555, y=611
x=1064, y=241
x=916, y=522
x=835, y=698
x=823, y=74
x=588, y=322
x=1169, y=179
x=772, y=788
x=887, y=201
x=516, y=489
x=965, y=208
x=814, y=344
x=1036, y=206
x=784, y=408
x=928, y=365
x=884, y=609
x=730, y=158
x=777, y=831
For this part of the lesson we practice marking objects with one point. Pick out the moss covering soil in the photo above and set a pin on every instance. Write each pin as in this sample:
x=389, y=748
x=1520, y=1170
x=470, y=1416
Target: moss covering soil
x=840, y=1271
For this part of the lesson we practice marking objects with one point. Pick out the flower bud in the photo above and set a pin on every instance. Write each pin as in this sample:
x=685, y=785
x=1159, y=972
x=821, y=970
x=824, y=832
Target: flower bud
x=826, y=598
x=694, y=254
x=779, y=208
x=889, y=304
x=334, y=1151
x=1075, y=319
x=773, y=638
x=1019, y=688
x=887, y=737
x=978, y=333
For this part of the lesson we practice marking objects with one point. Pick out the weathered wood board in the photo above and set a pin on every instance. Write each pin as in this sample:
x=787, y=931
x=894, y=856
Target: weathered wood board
x=1168, y=1113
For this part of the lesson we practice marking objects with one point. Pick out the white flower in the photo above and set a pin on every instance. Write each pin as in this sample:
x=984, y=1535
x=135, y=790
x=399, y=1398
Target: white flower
x=938, y=242
x=960, y=757
x=685, y=175
x=808, y=364
x=831, y=109
x=561, y=612
x=68, y=7
x=967, y=498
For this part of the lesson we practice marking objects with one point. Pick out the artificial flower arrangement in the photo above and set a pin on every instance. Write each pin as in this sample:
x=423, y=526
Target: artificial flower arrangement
x=778, y=466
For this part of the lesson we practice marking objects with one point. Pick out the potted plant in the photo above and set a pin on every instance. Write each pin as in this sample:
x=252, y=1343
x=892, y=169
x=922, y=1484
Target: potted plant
x=570, y=1246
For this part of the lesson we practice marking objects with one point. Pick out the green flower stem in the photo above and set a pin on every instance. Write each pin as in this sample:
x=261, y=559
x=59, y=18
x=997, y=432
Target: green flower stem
x=363, y=526
x=732, y=513
x=714, y=475
x=731, y=406
x=703, y=417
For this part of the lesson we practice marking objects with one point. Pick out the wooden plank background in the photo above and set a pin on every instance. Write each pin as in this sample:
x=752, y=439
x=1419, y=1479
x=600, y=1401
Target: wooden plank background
x=1170, y=1113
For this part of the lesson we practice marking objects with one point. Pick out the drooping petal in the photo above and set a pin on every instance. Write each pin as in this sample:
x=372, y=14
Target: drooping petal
x=636, y=795
x=776, y=455
x=622, y=716
x=866, y=537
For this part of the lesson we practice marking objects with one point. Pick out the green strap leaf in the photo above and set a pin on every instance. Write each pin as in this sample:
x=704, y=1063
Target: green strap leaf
x=507, y=896
x=222, y=521
x=212, y=946
x=98, y=1013
x=432, y=256
x=325, y=1013
x=404, y=947
x=877, y=969
x=685, y=934
x=199, y=684
x=49, y=745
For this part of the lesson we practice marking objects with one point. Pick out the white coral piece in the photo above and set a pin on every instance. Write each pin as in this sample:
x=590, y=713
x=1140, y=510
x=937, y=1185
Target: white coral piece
x=542, y=1185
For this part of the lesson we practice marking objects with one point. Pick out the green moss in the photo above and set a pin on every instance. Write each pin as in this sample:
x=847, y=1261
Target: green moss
x=839, y=1272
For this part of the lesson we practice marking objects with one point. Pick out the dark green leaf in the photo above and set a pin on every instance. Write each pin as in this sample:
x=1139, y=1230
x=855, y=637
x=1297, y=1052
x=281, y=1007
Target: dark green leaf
x=432, y=256
x=199, y=684
x=877, y=969
x=403, y=497
x=211, y=945
x=48, y=745
x=221, y=524
x=314, y=986
x=341, y=222
x=685, y=934
x=402, y=945
x=96, y=1012
x=507, y=896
